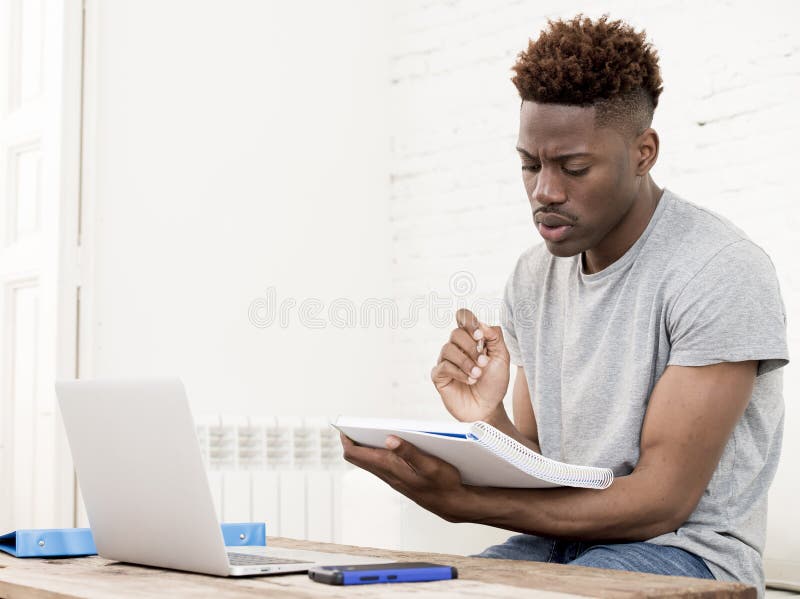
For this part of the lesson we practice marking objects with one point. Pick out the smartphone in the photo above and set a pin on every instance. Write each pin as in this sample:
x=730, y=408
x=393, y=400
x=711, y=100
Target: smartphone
x=391, y=572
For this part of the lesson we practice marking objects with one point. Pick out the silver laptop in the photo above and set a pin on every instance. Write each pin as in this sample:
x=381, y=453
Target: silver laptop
x=145, y=487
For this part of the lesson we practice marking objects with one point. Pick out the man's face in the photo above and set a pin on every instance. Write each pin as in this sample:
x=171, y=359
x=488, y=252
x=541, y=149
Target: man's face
x=580, y=179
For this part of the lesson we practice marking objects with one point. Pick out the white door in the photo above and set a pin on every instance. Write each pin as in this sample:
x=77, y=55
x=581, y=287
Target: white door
x=40, y=75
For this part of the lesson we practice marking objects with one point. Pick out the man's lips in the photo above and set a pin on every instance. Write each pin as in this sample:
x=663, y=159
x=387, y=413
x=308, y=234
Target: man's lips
x=554, y=233
x=553, y=227
x=553, y=220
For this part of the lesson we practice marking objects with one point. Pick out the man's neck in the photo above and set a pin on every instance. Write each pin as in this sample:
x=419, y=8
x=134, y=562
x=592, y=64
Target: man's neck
x=627, y=231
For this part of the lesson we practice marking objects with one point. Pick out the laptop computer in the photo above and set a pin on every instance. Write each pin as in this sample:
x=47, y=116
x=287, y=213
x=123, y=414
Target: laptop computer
x=144, y=484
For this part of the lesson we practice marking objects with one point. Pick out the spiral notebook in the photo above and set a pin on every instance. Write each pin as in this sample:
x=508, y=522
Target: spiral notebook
x=482, y=454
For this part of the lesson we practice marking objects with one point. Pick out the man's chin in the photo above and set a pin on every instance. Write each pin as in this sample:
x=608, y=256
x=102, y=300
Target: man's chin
x=562, y=250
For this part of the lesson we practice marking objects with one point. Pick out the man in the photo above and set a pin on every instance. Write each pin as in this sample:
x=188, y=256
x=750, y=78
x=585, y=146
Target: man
x=647, y=333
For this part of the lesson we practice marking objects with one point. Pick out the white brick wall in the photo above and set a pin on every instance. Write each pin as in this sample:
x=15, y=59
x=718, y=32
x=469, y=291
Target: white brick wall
x=728, y=122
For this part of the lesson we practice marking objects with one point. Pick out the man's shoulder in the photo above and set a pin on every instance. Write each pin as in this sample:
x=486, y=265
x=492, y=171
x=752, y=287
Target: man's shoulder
x=696, y=238
x=696, y=227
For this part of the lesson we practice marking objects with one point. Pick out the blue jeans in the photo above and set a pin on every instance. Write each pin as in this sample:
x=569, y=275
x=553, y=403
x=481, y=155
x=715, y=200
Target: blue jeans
x=634, y=557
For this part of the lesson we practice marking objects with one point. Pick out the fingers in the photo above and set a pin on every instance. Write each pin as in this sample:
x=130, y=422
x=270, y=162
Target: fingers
x=420, y=462
x=475, y=329
x=465, y=342
x=389, y=466
x=446, y=372
x=495, y=344
x=469, y=351
x=453, y=354
x=468, y=321
x=462, y=351
x=358, y=455
x=461, y=359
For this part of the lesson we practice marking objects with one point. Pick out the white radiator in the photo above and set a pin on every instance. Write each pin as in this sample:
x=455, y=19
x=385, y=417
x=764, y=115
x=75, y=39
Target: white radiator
x=285, y=472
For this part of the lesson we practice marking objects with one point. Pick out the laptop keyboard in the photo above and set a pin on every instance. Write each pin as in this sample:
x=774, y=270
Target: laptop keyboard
x=247, y=559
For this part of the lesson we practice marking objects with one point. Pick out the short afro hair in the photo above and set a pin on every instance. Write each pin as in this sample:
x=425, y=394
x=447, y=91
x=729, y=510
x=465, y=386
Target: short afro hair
x=605, y=64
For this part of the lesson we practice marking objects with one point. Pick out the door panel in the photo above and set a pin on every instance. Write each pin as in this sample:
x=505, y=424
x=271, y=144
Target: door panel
x=40, y=85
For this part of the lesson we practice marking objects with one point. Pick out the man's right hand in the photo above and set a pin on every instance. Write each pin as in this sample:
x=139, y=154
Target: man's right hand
x=472, y=386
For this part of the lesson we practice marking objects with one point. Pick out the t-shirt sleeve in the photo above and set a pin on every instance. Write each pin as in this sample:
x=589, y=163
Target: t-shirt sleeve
x=507, y=322
x=730, y=311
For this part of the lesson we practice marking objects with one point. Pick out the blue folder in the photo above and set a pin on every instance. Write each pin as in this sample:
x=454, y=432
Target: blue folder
x=76, y=542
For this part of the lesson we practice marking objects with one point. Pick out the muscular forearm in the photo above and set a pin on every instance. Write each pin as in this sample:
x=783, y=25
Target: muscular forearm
x=633, y=508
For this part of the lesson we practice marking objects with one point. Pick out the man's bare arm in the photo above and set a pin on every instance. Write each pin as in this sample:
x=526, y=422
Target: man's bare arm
x=691, y=414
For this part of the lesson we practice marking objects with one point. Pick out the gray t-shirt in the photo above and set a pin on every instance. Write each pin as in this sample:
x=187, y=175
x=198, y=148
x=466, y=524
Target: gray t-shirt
x=693, y=290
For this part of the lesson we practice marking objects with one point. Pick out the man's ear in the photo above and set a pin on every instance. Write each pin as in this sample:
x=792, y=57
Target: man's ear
x=647, y=151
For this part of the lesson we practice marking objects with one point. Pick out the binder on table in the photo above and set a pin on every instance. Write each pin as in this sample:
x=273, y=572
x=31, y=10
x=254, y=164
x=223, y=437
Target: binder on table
x=482, y=454
x=77, y=542
x=49, y=542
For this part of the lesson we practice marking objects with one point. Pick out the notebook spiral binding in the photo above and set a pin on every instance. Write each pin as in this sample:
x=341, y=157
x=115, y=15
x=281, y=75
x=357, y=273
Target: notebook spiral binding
x=529, y=461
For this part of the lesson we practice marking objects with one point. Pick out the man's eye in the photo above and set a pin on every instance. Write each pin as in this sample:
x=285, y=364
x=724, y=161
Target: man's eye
x=576, y=172
x=535, y=168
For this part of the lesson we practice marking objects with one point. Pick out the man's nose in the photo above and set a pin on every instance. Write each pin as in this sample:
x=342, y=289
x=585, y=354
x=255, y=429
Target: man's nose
x=548, y=189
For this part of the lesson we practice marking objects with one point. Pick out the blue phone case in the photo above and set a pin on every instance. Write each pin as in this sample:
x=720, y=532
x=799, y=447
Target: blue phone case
x=381, y=573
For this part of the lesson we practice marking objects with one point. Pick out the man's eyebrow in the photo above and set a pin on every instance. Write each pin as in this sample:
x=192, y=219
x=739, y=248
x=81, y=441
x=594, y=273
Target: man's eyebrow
x=559, y=157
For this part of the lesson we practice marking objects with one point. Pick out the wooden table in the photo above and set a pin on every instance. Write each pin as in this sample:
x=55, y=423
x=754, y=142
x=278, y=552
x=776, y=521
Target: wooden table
x=92, y=577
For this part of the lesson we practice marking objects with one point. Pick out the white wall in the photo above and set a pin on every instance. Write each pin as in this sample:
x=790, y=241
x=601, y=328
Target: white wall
x=234, y=147
x=204, y=191
x=728, y=123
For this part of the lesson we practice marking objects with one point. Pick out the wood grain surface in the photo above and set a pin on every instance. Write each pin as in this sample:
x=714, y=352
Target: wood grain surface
x=93, y=577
